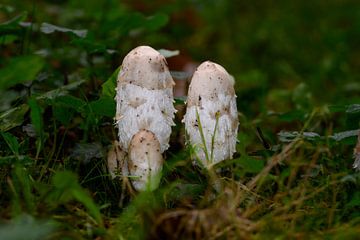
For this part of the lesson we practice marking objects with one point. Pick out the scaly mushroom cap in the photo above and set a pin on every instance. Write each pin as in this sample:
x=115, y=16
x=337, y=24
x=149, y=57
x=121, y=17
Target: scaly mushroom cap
x=145, y=161
x=145, y=67
x=144, y=97
x=211, y=95
x=209, y=80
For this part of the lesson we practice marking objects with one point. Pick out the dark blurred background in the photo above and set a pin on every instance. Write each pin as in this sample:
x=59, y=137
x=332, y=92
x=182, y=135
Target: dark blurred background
x=284, y=55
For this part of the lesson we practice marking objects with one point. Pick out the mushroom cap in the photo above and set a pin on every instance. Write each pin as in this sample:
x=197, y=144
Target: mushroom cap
x=145, y=67
x=145, y=161
x=209, y=80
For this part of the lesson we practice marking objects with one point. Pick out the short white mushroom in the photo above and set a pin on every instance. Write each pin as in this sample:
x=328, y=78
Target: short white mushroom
x=145, y=161
x=144, y=97
x=211, y=119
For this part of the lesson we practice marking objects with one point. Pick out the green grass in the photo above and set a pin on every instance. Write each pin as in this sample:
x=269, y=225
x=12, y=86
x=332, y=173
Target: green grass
x=297, y=82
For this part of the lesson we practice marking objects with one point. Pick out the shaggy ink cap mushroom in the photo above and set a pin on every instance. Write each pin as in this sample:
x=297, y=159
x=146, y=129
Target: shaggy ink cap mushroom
x=212, y=101
x=144, y=97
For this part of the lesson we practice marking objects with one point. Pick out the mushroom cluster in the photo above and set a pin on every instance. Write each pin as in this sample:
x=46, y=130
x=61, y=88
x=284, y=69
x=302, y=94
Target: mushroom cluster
x=144, y=114
x=211, y=119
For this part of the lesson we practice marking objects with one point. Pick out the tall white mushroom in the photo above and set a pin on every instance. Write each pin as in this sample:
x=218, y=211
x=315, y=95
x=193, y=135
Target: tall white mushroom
x=144, y=97
x=211, y=119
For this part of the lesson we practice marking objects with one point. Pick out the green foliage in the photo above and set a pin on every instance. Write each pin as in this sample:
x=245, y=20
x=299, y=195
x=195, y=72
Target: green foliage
x=108, y=87
x=18, y=71
x=12, y=142
x=67, y=188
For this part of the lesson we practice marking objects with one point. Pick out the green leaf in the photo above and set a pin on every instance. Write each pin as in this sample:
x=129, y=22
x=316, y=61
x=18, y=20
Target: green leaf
x=108, y=87
x=48, y=28
x=13, y=117
x=346, y=134
x=12, y=142
x=62, y=114
x=82, y=196
x=61, y=91
x=12, y=26
x=91, y=46
x=36, y=116
x=24, y=186
x=67, y=188
x=19, y=70
x=105, y=106
x=251, y=165
x=72, y=102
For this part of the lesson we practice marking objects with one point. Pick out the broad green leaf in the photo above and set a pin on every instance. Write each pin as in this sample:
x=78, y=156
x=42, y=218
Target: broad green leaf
x=108, y=87
x=105, y=106
x=19, y=70
x=48, y=28
x=12, y=26
x=61, y=91
x=91, y=46
x=7, y=98
x=12, y=142
x=13, y=117
x=72, y=102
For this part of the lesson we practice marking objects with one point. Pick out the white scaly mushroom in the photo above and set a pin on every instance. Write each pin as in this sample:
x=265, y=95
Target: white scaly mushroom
x=144, y=97
x=145, y=161
x=212, y=100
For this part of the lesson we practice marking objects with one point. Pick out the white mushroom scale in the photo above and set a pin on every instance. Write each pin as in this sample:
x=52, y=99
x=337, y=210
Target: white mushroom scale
x=211, y=119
